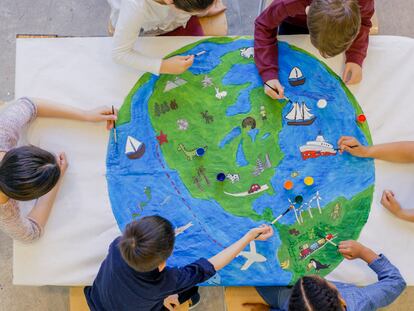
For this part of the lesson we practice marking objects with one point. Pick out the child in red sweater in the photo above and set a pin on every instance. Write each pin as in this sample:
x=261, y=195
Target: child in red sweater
x=334, y=26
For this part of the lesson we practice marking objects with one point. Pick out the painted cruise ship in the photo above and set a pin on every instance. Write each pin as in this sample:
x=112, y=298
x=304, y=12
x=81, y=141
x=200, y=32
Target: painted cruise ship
x=317, y=148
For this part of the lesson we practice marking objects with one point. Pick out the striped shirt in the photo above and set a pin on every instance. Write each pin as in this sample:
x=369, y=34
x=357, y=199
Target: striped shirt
x=13, y=120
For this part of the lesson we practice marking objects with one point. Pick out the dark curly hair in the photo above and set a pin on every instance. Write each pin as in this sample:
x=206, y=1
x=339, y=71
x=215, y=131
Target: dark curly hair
x=312, y=293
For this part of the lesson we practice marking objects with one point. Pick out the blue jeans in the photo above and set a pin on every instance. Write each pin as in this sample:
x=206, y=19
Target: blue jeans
x=275, y=296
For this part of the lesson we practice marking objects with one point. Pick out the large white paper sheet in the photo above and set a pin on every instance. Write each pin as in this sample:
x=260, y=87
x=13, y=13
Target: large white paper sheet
x=80, y=72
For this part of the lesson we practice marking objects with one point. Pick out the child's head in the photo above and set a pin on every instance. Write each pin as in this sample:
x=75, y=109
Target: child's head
x=312, y=293
x=27, y=173
x=333, y=25
x=147, y=243
x=192, y=6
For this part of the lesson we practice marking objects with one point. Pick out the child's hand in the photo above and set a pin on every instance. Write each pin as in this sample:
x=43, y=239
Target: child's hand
x=390, y=203
x=255, y=307
x=177, y=64
x=276, y=85
x=102, y=114
x=352, y=73
x=62, y=161
x=171, y=302
x=352, y=146
x=353, y=249
x=261, y=233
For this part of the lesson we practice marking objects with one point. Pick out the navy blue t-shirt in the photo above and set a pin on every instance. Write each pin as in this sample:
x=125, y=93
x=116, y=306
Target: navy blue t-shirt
x=121, y=288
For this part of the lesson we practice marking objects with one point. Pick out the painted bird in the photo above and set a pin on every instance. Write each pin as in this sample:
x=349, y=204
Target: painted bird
x=317, y=265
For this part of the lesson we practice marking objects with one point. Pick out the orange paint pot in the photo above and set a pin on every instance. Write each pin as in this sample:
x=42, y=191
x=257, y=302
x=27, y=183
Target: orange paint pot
x=288, y=185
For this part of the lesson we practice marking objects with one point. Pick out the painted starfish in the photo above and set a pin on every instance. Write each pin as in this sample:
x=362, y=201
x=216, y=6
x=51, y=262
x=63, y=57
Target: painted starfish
x=162, y=138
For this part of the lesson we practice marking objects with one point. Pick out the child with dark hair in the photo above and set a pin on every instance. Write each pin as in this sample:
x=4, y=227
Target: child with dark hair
x=28, y=172
x=313, y=293
x=132, y=18
x=335, y=26
x=134, y=275
x=397, y=152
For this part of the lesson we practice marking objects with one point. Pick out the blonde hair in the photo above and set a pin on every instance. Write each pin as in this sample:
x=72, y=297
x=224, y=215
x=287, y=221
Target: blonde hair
x=333, y=25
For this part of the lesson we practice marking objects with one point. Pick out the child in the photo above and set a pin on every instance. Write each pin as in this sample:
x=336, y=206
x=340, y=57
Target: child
x=334, y=26
x=28, y=172
x=134, y=275
x=131, y=18
x=313, y=293
x=399, y=152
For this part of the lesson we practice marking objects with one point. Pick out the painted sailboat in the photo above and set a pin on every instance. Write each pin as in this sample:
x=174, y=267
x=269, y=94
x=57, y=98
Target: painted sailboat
x=300, y=115
x=134, y=149
x=296, y=77
x=318, y=148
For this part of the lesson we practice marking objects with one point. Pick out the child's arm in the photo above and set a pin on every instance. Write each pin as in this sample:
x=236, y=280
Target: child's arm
x=131, y=18
x=203, y=269
x=390, y=282
x=223, y=258
x=265, y=47
x=41, y=211
x=49, y=109
x=356, y=54
x=400, y=152
x=390, y=203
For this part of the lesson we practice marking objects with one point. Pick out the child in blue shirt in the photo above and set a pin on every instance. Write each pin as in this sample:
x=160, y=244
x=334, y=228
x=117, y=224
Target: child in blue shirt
x=134, y=276
x=313, y=293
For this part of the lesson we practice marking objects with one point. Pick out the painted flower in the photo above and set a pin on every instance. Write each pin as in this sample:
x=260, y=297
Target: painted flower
x=182, y=124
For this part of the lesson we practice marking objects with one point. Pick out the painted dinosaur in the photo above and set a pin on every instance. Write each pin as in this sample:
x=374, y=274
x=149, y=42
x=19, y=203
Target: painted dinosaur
x=190, y=154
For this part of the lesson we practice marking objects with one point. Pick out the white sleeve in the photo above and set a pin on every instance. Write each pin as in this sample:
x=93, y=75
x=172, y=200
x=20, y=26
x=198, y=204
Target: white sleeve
x=131, y=17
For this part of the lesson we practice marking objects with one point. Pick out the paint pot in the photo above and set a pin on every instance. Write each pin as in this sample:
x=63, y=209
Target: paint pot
x=288, y=185
x=200, y=152
x=308, y=181
x=298, y=199
x=361, y=118
x=221, y=176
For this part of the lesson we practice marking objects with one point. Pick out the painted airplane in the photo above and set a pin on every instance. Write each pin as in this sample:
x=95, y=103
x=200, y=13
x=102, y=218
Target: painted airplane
x=251, y=257
x=181, y=230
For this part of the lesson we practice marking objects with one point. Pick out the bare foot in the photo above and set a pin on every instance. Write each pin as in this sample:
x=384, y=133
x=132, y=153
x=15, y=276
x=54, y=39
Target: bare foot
x=217, y=8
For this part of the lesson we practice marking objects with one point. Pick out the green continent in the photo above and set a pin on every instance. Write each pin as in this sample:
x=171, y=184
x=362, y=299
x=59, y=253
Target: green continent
x=207, y=126
x=342, y=218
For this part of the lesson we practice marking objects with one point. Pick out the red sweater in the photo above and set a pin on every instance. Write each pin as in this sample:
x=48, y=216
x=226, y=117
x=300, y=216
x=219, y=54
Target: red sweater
x=293, y=11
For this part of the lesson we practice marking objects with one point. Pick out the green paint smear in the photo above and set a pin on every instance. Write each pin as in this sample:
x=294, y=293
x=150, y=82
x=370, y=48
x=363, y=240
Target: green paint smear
x=346, y=225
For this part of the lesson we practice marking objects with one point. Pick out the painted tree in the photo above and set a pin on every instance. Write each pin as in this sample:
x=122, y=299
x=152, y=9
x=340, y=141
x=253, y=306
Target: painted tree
x=165, y=108
x=157, y=109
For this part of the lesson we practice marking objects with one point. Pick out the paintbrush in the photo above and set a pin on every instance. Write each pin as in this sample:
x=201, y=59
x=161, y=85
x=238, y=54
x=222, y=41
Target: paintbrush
x=278, y=217
x=337, y=149
x=200, y=53
x=115, y=135
x=277, y=92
